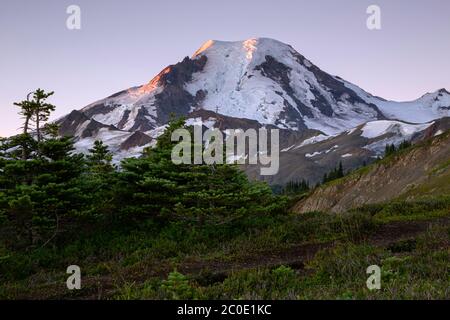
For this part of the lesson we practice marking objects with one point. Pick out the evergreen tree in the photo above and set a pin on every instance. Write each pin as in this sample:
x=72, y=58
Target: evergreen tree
x=26, y=111
x=40, y=190
x=36, y=111
x=100, y=158
x=404, y=145
x=153, y=186
x=98, y=183
x=340, y=171
x=325, y=178
x=296, y=187
x=336, y=173
x=389, y=150
x=41, y=110
x=392, y=149
x=46, y=184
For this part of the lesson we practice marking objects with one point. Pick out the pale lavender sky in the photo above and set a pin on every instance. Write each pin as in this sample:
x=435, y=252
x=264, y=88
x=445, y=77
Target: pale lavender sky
x=125, y=43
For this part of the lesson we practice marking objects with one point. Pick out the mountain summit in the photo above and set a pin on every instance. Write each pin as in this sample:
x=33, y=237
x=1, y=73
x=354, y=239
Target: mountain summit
x=258, y=81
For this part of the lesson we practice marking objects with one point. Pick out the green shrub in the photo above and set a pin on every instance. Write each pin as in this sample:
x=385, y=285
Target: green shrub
x=177, y=287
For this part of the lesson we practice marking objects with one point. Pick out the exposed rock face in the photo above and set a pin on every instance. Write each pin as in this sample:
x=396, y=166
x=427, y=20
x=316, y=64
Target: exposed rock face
x=99, y=108
x=137, y=139
x=223, y=122
x=174, y=98
x=436, y=128
x=337, y=88
x=69, y=124
x=279, y=72
x=123, y=121
x=79, y=125
x=149, y=106
x=141, y=120
x=399, y=176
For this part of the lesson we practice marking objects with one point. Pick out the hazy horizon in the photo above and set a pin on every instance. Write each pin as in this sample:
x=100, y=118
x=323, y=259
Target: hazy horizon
x=124, y=44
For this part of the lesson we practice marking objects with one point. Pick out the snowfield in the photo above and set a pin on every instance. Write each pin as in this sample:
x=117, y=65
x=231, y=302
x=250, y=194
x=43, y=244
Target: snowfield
x=236, y=89
x=429, y=107
x=376, y=129
x=397, y=132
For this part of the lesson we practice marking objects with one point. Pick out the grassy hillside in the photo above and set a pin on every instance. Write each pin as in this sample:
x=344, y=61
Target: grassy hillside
x=421, y=170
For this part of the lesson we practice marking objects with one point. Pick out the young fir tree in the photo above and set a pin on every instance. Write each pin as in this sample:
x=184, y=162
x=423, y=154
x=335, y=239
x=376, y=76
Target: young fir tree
x=340, y=171
x=389, y=150
x=100, y=158
x=334, y=174
x=36, y=111
x=98, y=183
x=41, y=110
x=153, y=186
x=39, y=192
x=26, y=111
x=405, y=144
x=296, y=187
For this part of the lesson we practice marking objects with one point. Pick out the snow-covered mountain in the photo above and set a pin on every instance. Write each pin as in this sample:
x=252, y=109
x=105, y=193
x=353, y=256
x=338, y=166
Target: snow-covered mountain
x=259, y=80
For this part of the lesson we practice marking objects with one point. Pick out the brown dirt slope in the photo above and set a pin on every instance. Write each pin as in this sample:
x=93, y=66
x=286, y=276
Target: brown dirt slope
x=422, y=170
